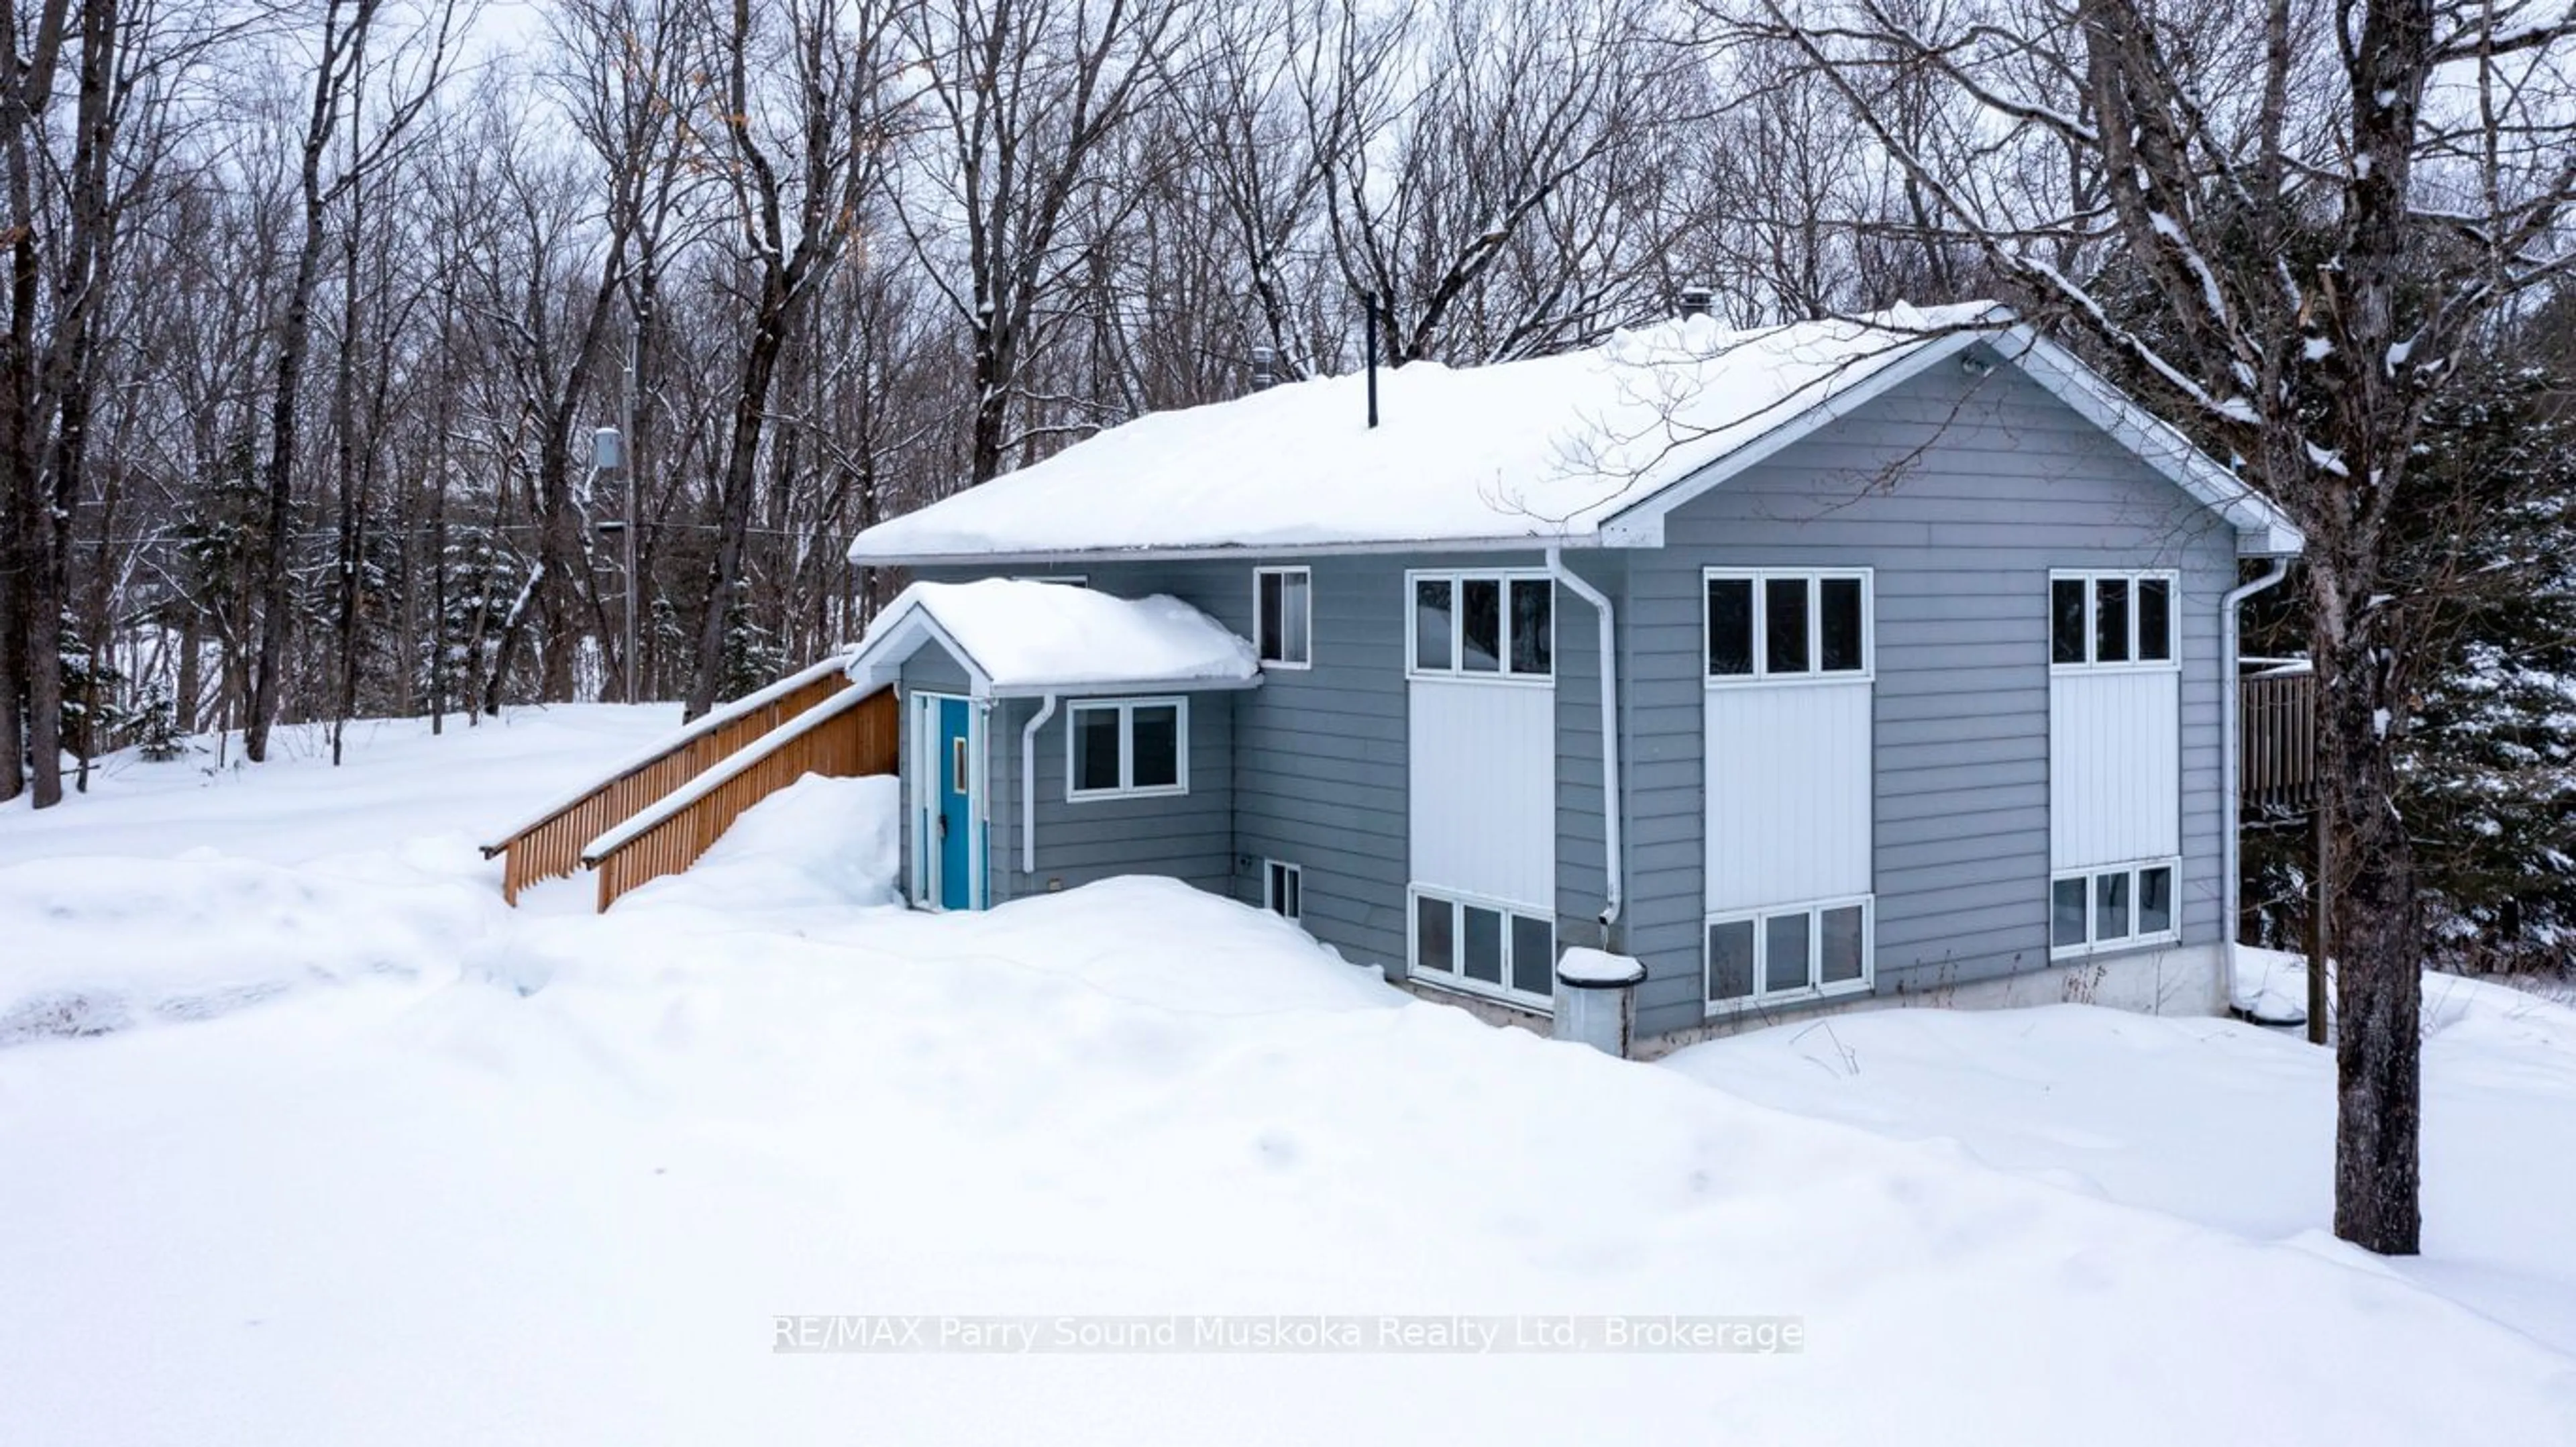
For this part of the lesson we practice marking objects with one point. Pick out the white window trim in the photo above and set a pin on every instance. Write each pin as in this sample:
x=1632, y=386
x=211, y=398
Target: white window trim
x=1765, y=998
x=1761, y=676
x=1271, y=870
x=1454, y=577
x=1456, y=981
x=1279, y=664
x=2132, y=664
x=2130, y=941
x=1126, y=711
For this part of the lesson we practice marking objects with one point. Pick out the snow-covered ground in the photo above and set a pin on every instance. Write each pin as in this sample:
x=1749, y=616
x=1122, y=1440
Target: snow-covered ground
x=469, y=1174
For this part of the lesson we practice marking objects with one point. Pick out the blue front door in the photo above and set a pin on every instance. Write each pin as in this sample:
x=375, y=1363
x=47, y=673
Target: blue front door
x=955, y=812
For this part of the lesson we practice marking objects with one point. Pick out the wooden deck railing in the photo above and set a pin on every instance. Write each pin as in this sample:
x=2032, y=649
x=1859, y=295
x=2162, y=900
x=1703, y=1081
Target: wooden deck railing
x=842, y=739
x=2277, y=748
x=549, y=845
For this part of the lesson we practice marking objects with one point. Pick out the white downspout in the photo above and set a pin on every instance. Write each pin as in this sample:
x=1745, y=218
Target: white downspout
x=1029, y=787
x=1611, y=805
x=2231, y=723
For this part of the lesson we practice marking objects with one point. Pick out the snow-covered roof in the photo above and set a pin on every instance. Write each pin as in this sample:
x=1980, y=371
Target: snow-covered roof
x=1589, y=447
x=1017, y=637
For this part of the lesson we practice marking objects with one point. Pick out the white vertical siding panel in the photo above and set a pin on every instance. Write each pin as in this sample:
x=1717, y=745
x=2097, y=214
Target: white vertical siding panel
x=2114, y=767
x=1483, y=790
x=1789, y=794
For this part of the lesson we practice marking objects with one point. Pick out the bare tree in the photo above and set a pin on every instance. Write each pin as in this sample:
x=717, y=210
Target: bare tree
x=352, y=63
x=2312, y=210
x=800, y=157
x=1023, y=99
x=1455, y=134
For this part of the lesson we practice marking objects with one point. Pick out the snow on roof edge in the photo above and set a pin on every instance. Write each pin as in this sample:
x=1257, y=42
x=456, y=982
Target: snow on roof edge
x=1018, y=635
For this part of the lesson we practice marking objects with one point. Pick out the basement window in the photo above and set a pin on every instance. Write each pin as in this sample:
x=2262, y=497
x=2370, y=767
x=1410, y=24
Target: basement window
x=1283, y=890
x=1780, y=956
x=1484, y=948
x=2112, y=908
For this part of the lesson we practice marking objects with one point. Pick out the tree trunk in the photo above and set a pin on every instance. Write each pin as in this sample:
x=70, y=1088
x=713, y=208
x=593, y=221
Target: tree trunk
x=2376, y=930
x=742, y=457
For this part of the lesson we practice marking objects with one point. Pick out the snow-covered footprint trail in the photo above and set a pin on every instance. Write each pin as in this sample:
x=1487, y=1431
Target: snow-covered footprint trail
x=553, y=1178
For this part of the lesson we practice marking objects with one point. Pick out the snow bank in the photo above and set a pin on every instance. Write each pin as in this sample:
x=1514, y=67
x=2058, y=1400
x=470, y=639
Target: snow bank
x=181, y=890
x=557, y=1187
x=819, y=842
x=2221, y=1123
x=96, y=945
x=1540, y=448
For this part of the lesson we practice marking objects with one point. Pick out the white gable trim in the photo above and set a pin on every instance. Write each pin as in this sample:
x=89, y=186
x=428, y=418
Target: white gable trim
x=1641, y=524
x=881, y=661
x=2261, y=528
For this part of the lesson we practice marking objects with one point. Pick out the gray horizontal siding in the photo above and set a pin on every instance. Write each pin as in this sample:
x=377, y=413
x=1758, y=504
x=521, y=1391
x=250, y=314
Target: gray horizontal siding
x=1185, y=836
x=1961, y=496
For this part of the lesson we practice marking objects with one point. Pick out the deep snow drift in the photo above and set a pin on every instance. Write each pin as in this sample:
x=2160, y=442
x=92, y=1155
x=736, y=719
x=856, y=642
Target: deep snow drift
x=552, y=1177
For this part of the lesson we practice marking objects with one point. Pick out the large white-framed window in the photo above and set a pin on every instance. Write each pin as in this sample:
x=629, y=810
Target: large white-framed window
x=1283, y=890
x=2113, y=907
x=2114, y=619
x=1283, y=611
x=1779, y=956
x=1127, y=748
x=1482, y=946
x=1490, y=625
x=1788, y=625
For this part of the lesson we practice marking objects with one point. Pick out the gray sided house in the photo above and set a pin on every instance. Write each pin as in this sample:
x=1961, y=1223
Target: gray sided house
x=1919, y=640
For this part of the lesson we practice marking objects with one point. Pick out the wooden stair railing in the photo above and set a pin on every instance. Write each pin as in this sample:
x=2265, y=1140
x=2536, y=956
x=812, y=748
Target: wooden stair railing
x=548, y=845
x=845, y=737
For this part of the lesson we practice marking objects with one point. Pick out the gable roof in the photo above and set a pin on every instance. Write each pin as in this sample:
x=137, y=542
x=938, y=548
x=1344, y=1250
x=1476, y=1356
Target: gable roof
x=1587, y=448
x=1020, y=638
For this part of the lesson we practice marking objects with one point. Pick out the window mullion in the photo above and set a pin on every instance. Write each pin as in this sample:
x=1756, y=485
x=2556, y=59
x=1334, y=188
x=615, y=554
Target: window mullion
x=1458, y=624
x=1815, y=626
x=1759, y=647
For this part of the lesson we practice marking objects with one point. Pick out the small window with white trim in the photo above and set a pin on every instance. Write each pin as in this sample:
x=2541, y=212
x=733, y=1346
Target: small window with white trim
x=2113, y=620
x=1484, y=947
x=2112, y=908
x=1778, y=956
x=1483, y=625
x=1787, y=625
x=1127, y=748
x=1283, y=605
x=1283, y=890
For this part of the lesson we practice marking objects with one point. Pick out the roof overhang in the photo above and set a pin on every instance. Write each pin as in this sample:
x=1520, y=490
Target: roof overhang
x=1222, y=552
x=895, y=638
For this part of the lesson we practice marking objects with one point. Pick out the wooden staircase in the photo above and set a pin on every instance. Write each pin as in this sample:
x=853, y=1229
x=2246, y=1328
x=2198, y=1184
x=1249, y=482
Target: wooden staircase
x=683, y=794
